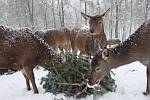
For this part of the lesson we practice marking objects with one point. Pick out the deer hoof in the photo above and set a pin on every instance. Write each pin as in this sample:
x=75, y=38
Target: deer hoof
x=28, y=89
x=146, y=93
x=36, y=92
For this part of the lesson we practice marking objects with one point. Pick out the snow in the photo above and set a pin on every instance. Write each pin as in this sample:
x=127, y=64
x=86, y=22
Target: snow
x=85, y=27
x=130, y=80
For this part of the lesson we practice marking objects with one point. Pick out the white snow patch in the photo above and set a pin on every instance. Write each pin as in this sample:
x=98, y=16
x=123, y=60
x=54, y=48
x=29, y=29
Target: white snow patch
x=85, y=27
x=130, y=80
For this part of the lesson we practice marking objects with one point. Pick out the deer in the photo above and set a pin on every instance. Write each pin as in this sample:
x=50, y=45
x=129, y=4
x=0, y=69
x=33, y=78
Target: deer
x=22, y=50
x=56, y=38
x=91, y=41
x=135, y=48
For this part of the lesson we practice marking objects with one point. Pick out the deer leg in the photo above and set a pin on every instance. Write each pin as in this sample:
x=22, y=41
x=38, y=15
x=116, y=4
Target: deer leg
x=31, y=77
x=61, y=49
x=27, y=80
x=89, y=54
x=67, y=48
x=148, y=82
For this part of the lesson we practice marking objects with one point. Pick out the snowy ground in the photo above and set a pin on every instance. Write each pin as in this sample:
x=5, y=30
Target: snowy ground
x=130, y=80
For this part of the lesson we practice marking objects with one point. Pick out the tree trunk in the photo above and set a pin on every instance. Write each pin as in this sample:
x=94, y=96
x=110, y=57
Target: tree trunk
x=111, y=20
x=147, y=8
x=46, y=16
x=30, y=10
x=63, y=15
x=117, y=19
x=85, y=7
x=130, y=18
x=61, y=12
x=54, y=19
x=32, y=16
x=17, y=13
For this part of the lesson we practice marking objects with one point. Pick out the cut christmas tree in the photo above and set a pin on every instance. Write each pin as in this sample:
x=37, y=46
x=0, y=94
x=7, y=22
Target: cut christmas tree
x=70, y=79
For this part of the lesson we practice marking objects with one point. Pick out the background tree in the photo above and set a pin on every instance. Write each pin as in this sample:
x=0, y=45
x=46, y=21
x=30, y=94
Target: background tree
x=124, y=17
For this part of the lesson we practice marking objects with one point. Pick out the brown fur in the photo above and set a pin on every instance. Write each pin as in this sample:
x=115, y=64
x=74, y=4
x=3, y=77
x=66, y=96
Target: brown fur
x=57, y=38
x=82, y=41
x=135, y=48
x=21, y=50
x=90, y=42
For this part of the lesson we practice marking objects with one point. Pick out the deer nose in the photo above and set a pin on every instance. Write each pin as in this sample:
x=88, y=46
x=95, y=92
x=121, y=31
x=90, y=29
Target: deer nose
x=92, y=30
x=90, y=82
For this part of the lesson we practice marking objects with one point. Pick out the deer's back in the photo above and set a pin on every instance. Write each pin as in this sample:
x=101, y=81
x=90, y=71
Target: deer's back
x=137, y=46
x=57, y=37
x=143, y=39
x=16, y=46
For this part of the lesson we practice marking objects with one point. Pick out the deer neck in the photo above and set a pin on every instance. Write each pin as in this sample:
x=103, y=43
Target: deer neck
x=102, y=39
x=101, y=32
x=123, y=57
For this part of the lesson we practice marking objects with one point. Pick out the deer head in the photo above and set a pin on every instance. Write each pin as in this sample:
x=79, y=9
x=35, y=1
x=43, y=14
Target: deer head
x=95, y=22
x=100, y=66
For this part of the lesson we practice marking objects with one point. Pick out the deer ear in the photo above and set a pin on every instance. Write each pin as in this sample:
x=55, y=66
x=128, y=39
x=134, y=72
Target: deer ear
x=106, y=13
x=86, y=17
x=105, y=53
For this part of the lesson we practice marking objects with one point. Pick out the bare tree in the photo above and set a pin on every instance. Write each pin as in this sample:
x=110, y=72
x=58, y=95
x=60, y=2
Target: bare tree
x=31, y=13
x=53, y=13
x=46, y=24
x=59, y=13
x=111, y=20
x=117, y=5
x=62, y=14
x=131, y=15
x=17, y=13
x=147, y=8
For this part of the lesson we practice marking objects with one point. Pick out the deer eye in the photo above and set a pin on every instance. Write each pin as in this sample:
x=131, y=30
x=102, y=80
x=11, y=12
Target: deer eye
x=97, y=69
x=100, y=22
